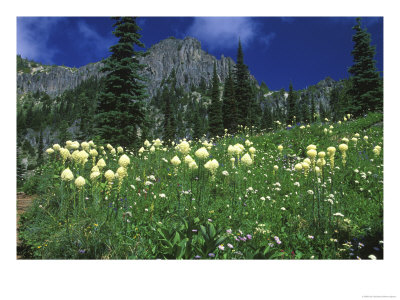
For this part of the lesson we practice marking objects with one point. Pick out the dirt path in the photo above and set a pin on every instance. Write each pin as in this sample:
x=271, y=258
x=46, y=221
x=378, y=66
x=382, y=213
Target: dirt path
x=23, y=203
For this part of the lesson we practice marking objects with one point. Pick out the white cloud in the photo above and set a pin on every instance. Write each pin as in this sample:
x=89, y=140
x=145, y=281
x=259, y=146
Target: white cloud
x=32, y=38
x=266, y=39
x=91, y=41
x=223, y=32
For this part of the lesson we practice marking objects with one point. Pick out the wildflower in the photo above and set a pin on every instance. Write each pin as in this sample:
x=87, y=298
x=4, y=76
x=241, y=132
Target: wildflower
x=93, y=153
x=345, y=140
x=212, y=165
x=231, y=150
x=80, y=182
x=321, y=162
x=377, y=150
x=312, y=153
x=248, y=143
x=152, y=149
x=230, y=245
x=233, y=162
x=239, y=148
x=113, y=151
x=277, y=240
x=124, y=161
x=188, y=159
x=162, y=195
x=120, y=149
x=298, y=167
x=246, y=159
x=64, y=154
x=101, y=163
x=157, y=143
x=276, y=168
x=184, y=147
x=109, y=175
x=311, y=147
x=373, y=257
x=141, y=150
x=297, y=184
x=211, y=254
x=50, y=151
x=83, y=157
x=193, y=165
x=121, y=171
x=147, y=143
x=67, y=175
x=365, y=138
x=311, y=237
x=338, y=214
x=280, y=148
x=56, y=147
x=201, y=153
x=176, y=161
x=343, y=148
x=225, y=173
x=282, y=208
x=221, y=247
x=310, y=192
x=94, y=175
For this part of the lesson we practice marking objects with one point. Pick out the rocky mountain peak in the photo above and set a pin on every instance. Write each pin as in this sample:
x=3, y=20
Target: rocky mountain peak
x=185, y=56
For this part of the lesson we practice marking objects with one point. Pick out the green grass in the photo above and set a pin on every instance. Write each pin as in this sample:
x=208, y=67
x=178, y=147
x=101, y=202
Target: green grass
x=254, y=212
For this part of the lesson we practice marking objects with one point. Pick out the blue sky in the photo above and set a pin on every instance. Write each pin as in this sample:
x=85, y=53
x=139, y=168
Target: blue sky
x=277, y=50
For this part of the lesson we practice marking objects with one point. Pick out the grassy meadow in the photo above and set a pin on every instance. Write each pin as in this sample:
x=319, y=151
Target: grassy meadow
x=302, y=192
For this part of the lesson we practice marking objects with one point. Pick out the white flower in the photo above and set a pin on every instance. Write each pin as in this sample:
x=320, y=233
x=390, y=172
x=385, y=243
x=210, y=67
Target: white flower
x=338, y=214
x=202, y=153
x=373, y=257
x=225, y=173
x=162, y=195
x=310, y=192
x=148, y=183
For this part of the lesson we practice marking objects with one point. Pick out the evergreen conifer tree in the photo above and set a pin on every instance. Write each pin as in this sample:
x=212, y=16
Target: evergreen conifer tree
x=229, y=107
x=169, y=122
x=367, y=87
x=40, y=149
x=120, y=106
x=242, y=88
x=312, y=109
x=291, y=105
x=215, y=122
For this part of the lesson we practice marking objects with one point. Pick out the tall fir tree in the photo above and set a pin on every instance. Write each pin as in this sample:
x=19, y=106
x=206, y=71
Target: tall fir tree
x=40, y=149
x=20, y=168
x=229, y=106
x=215, y=122
x=120, y=107
x=242, y=88
x=267, y=118
x=196, y=123
x=169, y=121
x=367, y=85
x=304, y=109
x=312, y=109
x=291, y=105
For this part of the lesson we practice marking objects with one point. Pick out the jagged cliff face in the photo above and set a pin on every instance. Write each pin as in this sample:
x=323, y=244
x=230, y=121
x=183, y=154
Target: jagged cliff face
x=186, y=57
x=54, y=80
x=190, y=62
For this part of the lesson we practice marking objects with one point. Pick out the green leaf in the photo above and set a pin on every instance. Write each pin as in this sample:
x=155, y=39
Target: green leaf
x=212, y=231
x=204, y=232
